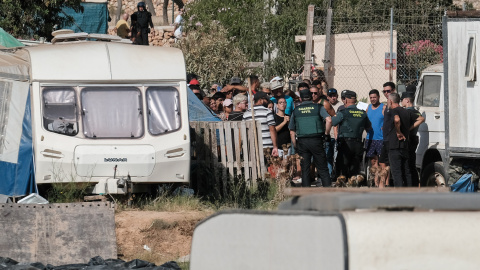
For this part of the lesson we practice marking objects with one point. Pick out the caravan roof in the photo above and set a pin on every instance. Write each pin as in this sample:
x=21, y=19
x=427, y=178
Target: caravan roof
x=105, y=61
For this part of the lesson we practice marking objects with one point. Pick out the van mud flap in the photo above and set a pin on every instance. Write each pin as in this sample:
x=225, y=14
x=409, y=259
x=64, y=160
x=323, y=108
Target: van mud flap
x=56, y=234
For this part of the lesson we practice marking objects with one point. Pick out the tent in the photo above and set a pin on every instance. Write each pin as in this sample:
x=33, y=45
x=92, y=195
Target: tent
x=197, y=111
x=16, y=146
x=8, y=41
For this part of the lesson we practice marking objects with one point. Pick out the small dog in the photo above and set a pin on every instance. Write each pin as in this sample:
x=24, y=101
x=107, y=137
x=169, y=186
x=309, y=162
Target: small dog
x=352, y=181
x=360, y=180
x=371, y=176
x=341, y=180
x=355, y=181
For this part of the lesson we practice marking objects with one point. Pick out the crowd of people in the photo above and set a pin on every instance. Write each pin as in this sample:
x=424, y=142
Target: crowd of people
x=333, y=133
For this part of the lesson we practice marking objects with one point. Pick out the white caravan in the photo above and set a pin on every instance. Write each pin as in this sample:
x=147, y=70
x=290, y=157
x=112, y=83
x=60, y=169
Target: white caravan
x=103, y=111
x=448, y=96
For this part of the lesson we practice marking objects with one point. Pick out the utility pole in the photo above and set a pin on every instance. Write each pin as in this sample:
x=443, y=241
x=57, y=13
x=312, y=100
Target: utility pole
x=326, y=57
x=309, y=44
x=390, y=76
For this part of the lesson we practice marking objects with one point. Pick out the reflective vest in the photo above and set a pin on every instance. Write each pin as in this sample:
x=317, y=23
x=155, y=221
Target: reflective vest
x=308, y=122
x=353, y=123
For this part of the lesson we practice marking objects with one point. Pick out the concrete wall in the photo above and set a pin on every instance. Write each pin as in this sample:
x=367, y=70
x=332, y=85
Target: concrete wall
x=357, y=60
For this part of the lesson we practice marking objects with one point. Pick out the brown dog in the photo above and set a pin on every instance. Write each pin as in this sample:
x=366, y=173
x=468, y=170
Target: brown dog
x=341, y=181
x=371, y=176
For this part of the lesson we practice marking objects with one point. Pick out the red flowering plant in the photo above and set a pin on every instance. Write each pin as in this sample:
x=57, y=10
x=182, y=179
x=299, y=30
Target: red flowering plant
x=423, y=53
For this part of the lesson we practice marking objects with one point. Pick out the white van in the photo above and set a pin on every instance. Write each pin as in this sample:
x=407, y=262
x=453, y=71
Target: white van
x=100, y=112
x=448, y=96
x=429, y=100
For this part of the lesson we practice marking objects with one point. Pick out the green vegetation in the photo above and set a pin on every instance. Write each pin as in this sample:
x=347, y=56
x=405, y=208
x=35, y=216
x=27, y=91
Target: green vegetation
x=35, y=18
x=255, y=28
x=67, y=192
x=268, y=27
x=212, y=55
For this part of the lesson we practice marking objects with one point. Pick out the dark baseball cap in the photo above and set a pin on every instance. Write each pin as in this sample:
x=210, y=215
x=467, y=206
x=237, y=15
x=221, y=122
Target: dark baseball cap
x=235, y=81
x=411, y=89
x=259, y=95
x=407, y=95
x=350, y=94
x=332, y=91
x=305, y=93
x=343, y=93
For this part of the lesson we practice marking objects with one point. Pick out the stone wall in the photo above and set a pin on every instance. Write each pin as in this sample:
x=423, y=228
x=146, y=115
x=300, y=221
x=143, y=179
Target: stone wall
x=475, y=3
x=130, y=6
x=161, y=36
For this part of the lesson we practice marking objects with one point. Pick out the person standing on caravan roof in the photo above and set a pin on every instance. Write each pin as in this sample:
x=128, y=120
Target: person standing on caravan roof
x=144, y=19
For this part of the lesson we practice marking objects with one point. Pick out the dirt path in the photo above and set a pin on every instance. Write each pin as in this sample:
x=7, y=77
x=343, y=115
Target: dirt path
x=167, y=234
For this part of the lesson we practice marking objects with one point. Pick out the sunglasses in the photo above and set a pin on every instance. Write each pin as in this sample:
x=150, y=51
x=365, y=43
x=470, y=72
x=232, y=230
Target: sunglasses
x=387, y=91
x=314, y=93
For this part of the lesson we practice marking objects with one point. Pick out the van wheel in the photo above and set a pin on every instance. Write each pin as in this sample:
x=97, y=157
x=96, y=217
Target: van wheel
x=433, y=175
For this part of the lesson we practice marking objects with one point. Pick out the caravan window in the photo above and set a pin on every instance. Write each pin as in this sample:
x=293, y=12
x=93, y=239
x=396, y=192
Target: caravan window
x=163, y=109
x=429, y=95
x=112, y=112
x=60, y=110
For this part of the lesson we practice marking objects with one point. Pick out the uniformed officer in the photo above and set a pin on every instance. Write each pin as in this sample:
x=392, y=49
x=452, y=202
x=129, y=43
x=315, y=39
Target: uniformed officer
x=307, y=124
x=407, y=102
x=143, y=19
x=352, y=122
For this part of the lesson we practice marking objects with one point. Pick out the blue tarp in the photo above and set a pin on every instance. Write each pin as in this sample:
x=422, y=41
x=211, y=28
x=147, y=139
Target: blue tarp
x=464, y=184
x=18, y=179
x=197, y=111
x=94, y=18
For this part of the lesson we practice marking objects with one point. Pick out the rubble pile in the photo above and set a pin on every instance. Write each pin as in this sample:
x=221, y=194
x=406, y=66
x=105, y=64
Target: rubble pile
x=459, y=167
x=94, y=263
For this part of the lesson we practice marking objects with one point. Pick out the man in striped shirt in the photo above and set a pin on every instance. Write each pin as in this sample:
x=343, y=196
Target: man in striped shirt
x=265, y=116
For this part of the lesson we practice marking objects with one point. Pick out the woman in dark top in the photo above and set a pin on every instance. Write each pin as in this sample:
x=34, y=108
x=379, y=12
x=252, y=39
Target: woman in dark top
x=281, y=124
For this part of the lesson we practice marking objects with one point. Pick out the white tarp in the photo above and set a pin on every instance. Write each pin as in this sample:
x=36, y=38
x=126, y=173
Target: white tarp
x=11, y=117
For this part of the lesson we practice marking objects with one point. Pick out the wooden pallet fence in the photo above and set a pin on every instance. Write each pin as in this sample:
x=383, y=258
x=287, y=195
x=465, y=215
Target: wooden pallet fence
x=224, y=150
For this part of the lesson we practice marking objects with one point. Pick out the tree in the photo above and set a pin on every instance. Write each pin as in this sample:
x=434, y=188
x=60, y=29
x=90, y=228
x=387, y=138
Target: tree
x=180, y=5
x=35, y=18
x=212, y=55
x=259, y=27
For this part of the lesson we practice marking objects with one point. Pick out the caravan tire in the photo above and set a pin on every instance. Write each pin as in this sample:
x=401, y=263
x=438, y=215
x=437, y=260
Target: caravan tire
x=433, y=175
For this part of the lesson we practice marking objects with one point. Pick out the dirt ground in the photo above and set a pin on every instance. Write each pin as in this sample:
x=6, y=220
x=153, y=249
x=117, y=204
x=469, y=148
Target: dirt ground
x=168, y=235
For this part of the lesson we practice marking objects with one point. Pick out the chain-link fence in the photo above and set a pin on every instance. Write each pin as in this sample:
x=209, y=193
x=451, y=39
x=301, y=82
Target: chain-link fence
x=360, y=40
